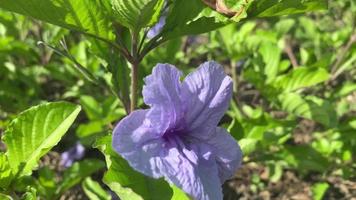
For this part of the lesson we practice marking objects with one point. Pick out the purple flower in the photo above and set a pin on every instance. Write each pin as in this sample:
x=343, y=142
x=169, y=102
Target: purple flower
x=178, y=138
x=157, y=28
x=73, y=154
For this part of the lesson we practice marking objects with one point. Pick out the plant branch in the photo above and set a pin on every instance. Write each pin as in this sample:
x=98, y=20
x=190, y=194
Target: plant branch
x=142, y=41
x=340, y=57
x=153, y=43
x=80, y=68
x=289, y=51
x=134, y=70
x=121, y=48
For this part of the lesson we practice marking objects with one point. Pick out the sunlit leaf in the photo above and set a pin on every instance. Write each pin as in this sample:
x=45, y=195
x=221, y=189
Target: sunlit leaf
x=136, y=14
x=301, y=77
x=34, y=132
x=94, y=191
x=86, y=16
x=267, y=8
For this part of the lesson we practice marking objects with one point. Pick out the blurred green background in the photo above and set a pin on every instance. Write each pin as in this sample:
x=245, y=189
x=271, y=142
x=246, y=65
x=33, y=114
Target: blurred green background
x=293, y=110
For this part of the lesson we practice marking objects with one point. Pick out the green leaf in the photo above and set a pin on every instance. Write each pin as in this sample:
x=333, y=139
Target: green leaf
x=94, y=191
x=271, y=55
x=31, y=194
x=34, y=132
x=300, y=78
x=306, y=158
x=319, y=190
x=193, y=22
x=309, y=107
x=136, y=14
x=120, y=71
x=6, y=174
x=86, y=16
x=90, y=106
x=268, y=8
x=127, y=183
x=47, y=182
x=5, y=197
x=248, y=145
x=178, y=194
x=77, y=172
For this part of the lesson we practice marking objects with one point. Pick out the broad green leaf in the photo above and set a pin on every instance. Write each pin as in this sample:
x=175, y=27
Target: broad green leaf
x=34, y=132
x=345, y=89
x=90, y=129
x=31, y=194
x=305, y=158
x=309, y=107
x=271, y=55
x=5, y=197
x=127, y=183
x=189, y=23
x=284, y=26
x=136, y=14
x=300, y=78
x=6, y=174
x=178, y=194
x=319, y=190
x=86, y=16
x=77, y=172
x=94, y=191
x=248, y=145
x=120, y=74
x=268, y=8
x=91, y=107
x=47, y=182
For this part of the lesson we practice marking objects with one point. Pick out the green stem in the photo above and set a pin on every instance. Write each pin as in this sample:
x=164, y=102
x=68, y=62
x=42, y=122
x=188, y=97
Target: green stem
x=234, y=76
x=134, y=78
x=134, y=70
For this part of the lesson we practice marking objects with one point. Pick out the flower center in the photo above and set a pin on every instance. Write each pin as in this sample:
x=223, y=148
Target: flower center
x=174, y=132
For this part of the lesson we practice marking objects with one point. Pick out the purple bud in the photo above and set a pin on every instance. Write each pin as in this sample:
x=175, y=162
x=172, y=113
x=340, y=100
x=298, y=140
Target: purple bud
x=75, y=153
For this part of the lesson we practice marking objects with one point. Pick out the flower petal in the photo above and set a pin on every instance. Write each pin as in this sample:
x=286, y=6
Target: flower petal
x=227, y=153
x=161, y=92
x=190, y=170
x=206, y=93
x=137, y=142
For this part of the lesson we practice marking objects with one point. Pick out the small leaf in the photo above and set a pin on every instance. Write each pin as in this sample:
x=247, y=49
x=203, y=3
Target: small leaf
x=34, y=132
x=47, y=182
x=309, y=107
x=248, y=145
x=319, y=190
x=31, y=194
x=306, y=158
x=94, y=191
x=136, y=14
x=300, y=78
x=6, y=174
x=193, y=22
x=271, y=55
x=268, y=8
x=77, y=172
